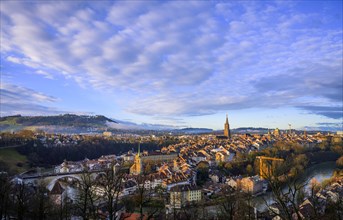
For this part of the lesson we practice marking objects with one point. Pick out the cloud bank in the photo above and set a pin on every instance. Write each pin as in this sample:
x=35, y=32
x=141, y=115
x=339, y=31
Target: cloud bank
x=16, y=100
x=178, y=58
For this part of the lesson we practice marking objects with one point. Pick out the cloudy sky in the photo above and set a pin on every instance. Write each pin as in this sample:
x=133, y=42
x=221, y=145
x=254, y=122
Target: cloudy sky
x=264, y=63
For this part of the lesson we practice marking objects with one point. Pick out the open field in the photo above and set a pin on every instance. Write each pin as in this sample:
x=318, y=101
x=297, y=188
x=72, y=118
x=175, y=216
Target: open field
x=12, y=160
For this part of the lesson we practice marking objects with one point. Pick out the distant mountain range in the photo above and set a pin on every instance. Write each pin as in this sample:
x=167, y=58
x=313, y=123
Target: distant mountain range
x=65, y=120
x=76, y=124
x=67, y=123
x=70, y=123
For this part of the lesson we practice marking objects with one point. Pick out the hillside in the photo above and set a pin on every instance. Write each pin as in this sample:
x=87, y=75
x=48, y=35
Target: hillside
x=13, y=161
x=195, y=130
x=57, y=123
x=76, y=124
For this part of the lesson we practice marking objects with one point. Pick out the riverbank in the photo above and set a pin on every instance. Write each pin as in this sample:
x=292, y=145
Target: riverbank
x=321, y=157
x=319, y=171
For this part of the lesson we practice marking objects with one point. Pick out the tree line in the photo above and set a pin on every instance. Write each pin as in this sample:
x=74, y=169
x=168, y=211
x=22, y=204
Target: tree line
x=22, y=201
x=39, y=155
x=97, y=197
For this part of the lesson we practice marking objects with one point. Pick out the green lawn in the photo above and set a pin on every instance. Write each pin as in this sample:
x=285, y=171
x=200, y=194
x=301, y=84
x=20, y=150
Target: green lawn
x=15, y=162
x=10, y=121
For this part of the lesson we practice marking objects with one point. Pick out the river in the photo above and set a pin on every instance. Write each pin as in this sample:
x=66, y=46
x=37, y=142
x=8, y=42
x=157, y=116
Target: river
x=320, y=172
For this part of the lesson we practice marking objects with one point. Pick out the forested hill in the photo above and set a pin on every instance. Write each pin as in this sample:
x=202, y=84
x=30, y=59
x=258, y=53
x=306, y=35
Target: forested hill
x=58, y=121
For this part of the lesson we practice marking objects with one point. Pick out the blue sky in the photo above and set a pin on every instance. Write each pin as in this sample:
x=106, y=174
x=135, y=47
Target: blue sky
x=265, y=63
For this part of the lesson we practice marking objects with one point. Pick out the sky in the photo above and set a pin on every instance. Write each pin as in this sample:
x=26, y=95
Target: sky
x=188, y=64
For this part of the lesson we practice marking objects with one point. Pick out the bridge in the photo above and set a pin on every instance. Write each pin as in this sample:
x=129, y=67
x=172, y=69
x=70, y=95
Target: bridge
x=50, y=178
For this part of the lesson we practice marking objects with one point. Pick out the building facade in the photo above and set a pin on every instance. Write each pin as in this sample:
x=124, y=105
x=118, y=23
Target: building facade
x=253, y=185
x=159, y=157
x=184, y=194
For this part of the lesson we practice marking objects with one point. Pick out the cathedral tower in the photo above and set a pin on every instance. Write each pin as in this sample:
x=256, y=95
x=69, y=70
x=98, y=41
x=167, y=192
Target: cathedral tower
x=227, y=128
x=137, y=167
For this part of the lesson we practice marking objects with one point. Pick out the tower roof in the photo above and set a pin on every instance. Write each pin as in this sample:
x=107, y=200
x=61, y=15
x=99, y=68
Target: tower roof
x=227, y=128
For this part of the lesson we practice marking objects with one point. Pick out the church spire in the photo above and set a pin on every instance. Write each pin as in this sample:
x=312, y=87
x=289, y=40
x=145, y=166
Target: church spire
x=137, y=166
x=227, y=128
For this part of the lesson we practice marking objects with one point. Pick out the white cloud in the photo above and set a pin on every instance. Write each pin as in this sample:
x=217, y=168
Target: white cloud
x=45, y=74
x=18, y=100
x=177, y=58
x=14, y=93
x=25, y=101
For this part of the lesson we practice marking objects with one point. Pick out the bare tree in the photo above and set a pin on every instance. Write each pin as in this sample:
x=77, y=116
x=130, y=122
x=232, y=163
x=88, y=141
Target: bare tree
x=86, y=201
x=228, y=203
x=40, y=204
x=66, y=208
x=145, y=197
x=112, y=184
x=21, y=195
x=245, y=209
x=285, y=190
x=314, y=189
x=334, y=210
x=234, y=204
x=5, y=187
x=181, y=209
x=189, y=211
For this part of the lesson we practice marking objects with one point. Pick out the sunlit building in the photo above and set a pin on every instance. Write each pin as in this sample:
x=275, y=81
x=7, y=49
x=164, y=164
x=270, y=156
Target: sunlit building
x=227, y=128
x=253, y=185
x=184, y=194
x=137, y=167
